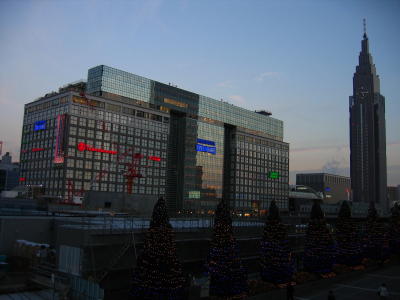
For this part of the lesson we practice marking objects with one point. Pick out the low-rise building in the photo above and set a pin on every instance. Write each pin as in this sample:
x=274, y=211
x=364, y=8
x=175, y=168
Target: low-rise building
x=334, y=188
x=9, y=173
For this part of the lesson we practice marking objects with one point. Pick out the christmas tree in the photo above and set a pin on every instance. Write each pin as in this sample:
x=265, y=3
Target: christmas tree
x=158, y=273
x=227, y=275
x=394, y=230
x=374, y=237
x=276, y=257
x=319, y=251
x=347, y=237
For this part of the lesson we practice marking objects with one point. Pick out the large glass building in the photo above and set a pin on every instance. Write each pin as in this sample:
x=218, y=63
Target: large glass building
x=209, y=149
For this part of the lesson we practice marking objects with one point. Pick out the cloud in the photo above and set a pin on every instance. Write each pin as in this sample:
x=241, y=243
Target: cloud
x=266, y=75
x=332, y=166
x=337, y=147
x=225, y=84
x=237, y=99
x=319, y=148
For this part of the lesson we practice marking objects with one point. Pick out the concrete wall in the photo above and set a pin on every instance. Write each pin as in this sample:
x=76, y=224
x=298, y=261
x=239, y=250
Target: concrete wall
x=140, y=205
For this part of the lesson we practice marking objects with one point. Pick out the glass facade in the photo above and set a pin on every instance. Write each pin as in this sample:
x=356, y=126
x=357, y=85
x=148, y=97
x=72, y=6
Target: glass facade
x=260, y=172
x=240, y=117
x=205, y=187
x=107, y=79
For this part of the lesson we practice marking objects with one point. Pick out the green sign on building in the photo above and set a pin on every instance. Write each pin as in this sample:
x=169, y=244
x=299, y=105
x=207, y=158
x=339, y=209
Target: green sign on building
x=273, y=175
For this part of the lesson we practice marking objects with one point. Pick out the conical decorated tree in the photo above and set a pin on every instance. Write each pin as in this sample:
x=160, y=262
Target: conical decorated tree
x=374, y=236
x=227, y=275
x=319, y=251
x=394, y=230
x=276, y=256
x=158, y=273
x=347, y=237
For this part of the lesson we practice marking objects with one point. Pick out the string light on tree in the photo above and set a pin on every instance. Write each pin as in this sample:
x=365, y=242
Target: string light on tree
x=394, y=230
x=228, y=277
x=347, y=237
x=319, y=252
x=158, y=273
x=374, y=238
x=276, y=257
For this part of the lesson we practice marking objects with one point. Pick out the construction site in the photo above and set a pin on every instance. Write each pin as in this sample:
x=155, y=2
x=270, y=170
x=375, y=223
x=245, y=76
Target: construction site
x=93, y=254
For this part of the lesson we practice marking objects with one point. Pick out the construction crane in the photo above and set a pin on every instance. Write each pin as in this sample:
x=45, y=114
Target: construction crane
x=71, y=193
x=130, y=169
x=133, y=172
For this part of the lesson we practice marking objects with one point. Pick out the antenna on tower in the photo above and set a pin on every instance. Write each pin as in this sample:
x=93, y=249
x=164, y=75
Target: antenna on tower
x=365, y=27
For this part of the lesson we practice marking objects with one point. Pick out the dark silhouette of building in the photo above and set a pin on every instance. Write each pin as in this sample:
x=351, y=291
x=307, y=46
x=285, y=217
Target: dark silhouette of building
x=367, y=133
x=9, y=173
x=393, y=194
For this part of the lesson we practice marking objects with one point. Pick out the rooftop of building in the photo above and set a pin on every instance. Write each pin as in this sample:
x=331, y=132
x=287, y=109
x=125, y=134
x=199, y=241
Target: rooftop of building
x=262, y=111
x=107, y=80
x=322, y=174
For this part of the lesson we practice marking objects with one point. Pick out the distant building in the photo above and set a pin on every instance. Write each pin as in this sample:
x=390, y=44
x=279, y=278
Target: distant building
x=333, y=187
x=367, y=133
x=9, y=173
x=393, y=193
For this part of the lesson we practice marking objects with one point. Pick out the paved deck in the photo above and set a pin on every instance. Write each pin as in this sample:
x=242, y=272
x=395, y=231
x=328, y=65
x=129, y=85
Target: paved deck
x=361, y=286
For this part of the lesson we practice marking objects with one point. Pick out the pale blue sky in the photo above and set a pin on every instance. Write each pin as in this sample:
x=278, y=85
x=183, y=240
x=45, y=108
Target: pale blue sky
x=295, y=58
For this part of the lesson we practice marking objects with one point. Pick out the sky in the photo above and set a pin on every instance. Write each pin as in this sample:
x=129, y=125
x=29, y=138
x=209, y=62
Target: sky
x=294, y=58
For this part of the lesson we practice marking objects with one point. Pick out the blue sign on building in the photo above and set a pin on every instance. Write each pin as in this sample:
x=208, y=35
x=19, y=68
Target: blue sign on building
x=202, y=148
x=207, y=142
x=40, y=125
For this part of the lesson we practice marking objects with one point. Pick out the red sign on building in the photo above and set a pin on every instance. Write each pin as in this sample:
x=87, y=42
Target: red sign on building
x=60, y=137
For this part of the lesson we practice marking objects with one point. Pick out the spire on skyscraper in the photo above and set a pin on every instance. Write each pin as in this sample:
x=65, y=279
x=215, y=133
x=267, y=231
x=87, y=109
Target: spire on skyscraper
x=365, y=29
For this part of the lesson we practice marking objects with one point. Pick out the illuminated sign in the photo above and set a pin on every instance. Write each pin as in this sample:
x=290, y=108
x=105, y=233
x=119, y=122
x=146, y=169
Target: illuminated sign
x=33, y=150
x=328, y=189
x=176, y=103
x=22, y=179
x=85, y=147
x=83, y=100
x=194, y=194
x=40, y=125
x=60, y=136
x=273, y=175
x=204, y=148
x=207, y=142
x=155, y=158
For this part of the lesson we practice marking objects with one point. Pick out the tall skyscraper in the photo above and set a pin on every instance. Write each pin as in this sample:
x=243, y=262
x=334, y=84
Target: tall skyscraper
x=367, y=132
